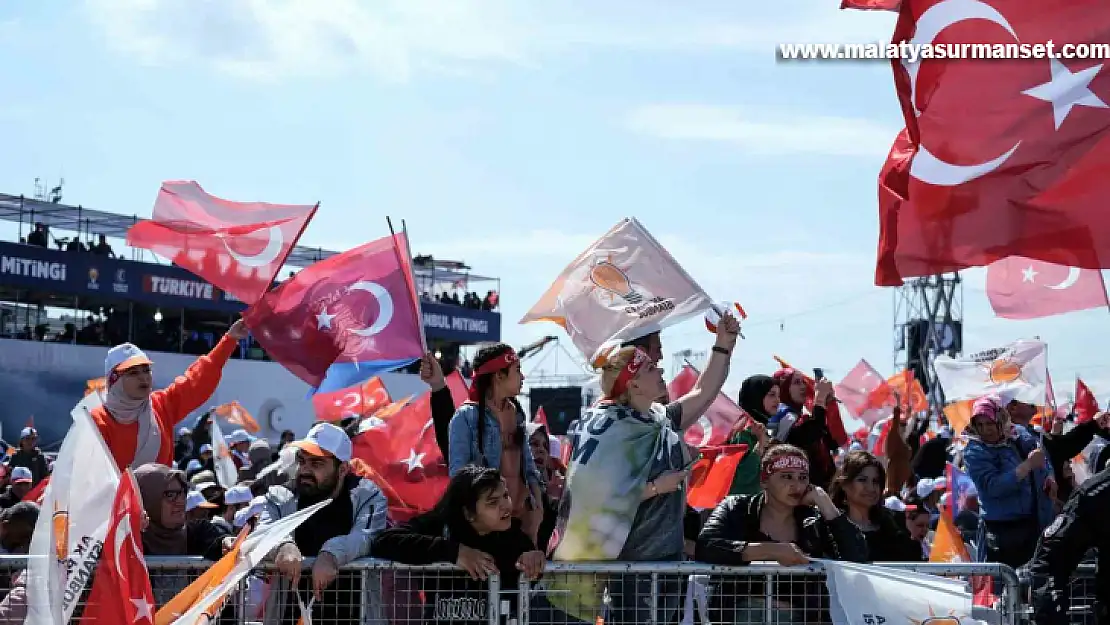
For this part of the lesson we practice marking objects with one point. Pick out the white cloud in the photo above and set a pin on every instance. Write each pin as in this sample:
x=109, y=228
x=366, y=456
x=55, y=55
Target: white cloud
x=269, y=39
x=763, y=131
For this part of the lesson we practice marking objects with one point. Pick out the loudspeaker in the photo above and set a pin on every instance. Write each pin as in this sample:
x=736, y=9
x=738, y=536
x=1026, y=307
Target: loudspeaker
x=562, y=405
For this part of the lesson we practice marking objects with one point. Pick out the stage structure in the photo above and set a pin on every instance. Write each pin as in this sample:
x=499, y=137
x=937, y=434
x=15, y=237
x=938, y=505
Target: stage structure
x=928, y=322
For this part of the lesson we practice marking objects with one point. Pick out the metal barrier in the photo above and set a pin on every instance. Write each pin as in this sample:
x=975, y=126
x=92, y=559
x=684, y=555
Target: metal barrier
x=374, y=592
x=1082, y=596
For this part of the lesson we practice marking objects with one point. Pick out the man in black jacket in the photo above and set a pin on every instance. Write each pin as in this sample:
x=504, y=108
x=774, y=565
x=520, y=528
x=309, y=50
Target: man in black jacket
x=1064, y=544
x=30, y=456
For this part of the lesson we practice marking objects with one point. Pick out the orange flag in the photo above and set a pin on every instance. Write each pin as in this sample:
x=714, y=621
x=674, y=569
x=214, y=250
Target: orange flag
x=201, y=586
x=99, y=385
x=711, y=476
x=235, y=414
x=959, y=415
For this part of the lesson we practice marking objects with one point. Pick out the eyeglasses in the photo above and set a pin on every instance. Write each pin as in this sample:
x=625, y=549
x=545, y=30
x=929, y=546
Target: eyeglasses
x=173, y=495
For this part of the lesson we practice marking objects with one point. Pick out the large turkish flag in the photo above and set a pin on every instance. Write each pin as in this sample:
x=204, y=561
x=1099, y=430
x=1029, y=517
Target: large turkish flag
x=1020, y=288
x=999, y=157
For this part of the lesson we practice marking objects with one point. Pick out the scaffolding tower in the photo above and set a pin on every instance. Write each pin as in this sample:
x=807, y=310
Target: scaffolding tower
x=928, y=322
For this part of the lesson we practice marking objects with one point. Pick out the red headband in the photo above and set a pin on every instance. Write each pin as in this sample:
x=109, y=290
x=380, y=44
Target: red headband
x=785, y=462
x=637, y=362
x=504, y=361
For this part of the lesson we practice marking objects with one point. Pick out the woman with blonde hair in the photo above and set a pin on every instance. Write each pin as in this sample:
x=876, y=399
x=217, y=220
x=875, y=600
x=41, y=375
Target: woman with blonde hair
x=624, y=497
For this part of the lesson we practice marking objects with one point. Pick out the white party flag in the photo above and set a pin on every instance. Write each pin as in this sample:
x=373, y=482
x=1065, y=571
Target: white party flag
x=76, y=510
x=226, y=473
x=863, y=594
x=1016, y=371
x=624, y=286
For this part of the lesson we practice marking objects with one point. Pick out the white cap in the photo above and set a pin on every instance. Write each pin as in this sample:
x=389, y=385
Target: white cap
x=194, y=465
x=203, y=486
x=895, y=504
x=325, y=439
x=21, y=475
x=124, y=356
x=927, y=487
x=238, y=494
x=28, y=431
x=182, y=431
x=251, y=511
x=239, y=436
x=206, y=448
x=196, y=500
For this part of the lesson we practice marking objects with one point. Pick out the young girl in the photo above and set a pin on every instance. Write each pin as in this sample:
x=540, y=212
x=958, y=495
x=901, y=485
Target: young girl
x=472, y=526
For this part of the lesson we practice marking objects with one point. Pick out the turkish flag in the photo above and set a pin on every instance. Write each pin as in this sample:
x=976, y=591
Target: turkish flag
x=871, y=5
x=355, y=401
x=121, y=587
x=711, y=476
x=1021, y=288
x=238, y=246
x=399, y=447
x=460, y=390
x=541, y=417
x=998, y=158
x=854, y=390
x=343, y=320
x=1086, y=406
x=714, y=427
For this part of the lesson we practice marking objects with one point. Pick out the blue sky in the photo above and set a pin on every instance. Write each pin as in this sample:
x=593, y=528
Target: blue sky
x=509, y=135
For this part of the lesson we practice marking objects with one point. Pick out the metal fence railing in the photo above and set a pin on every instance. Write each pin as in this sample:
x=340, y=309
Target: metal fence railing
x=373, y=592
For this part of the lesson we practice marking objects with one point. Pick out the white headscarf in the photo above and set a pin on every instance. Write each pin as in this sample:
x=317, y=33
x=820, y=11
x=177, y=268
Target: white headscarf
x=126, y=410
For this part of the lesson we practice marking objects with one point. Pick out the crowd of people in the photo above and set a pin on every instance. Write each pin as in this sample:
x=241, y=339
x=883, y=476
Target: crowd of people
x=613, y=489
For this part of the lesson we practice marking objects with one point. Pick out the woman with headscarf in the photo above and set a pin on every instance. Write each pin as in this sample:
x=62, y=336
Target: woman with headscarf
x=624, y=496
x=759, y=398
x=168, y=532
x=137, y=422
x=1016, y=488
x=806, y=429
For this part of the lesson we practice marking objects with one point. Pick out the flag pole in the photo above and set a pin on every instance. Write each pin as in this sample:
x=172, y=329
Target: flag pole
x=410, y=278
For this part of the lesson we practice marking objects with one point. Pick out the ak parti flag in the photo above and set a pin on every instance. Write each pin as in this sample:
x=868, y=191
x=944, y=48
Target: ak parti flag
x=345, y=319
x=235, y=414
x=1021, y=288
x=714, y=427
x=1086, y=406
x=711, y=476
x=624, y=286
x=237, y=246
x=996, y=161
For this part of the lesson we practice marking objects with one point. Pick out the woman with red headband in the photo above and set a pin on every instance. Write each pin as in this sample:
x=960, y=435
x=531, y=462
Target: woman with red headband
x=488, y=431
x=624, y=498
x=789, y=522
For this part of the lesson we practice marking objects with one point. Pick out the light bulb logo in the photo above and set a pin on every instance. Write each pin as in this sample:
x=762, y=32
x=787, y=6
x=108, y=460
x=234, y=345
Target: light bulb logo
x=1004, y=370
x=608, y=277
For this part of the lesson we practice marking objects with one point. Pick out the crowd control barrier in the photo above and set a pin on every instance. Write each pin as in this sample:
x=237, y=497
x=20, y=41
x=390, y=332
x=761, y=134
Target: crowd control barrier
x=374, y=592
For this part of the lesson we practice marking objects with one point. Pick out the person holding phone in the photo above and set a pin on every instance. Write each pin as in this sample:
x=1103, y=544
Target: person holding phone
x=789, y=521
x=803, y=427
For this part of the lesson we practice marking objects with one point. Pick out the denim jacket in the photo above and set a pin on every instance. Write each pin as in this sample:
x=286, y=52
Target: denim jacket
x=463, y=447
x=1002, y=497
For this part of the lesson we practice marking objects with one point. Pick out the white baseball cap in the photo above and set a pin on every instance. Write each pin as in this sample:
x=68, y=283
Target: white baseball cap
x=28, y=432
x=194, y=465
x=21, y=475
x=124, y=356
x=325, y=439
x=197, y=500
x=927, y=487
x=238, y=494
x=251, y=511
x=895, y=504
x=206, y=448
x=239, y=436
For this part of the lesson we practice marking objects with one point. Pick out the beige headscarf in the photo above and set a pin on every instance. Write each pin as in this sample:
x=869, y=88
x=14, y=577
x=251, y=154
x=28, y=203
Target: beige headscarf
x=159, y=540
x=127, y=410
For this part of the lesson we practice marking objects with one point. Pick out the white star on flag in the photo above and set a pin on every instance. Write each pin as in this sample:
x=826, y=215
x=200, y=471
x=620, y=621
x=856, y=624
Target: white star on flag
x=1067, y=90
x=142, y=609
x=1028, y=274
x=323, y=320
x=414, y=461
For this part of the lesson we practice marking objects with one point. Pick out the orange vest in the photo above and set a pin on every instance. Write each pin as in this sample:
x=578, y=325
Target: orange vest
x=169, y=405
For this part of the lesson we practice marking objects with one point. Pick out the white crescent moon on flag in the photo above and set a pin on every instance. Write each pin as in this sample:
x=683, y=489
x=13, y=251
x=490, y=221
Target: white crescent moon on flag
x=267, y=256
x=123, y=532
x=925, y=166
x=385, y=307
x=1073, y=277
x=706, y=431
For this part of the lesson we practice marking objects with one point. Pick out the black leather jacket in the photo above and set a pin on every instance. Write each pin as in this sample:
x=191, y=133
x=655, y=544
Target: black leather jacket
x=735, y=523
